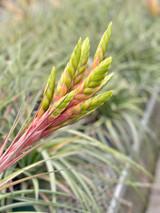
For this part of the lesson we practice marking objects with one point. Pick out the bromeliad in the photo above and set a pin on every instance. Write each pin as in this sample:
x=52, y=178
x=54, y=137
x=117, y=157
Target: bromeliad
x=72, y=100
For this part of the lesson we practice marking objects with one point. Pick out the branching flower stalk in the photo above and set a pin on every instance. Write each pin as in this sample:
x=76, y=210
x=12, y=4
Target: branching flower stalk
x=72, y=100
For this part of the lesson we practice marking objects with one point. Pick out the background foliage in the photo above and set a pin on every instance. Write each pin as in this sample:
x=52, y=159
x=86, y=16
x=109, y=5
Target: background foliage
x=44, y=34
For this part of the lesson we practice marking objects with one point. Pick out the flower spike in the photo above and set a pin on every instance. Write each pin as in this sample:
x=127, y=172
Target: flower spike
x=66, y=79
x=82, y=67
x=48, y=94
x=103, y=44
x=84, y=108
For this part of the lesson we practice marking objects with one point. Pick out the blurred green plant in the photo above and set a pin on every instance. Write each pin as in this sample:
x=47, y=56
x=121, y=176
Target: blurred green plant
x=38, y=44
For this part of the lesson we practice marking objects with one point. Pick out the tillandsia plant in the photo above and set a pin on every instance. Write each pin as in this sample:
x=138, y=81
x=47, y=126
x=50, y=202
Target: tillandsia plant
x=69, y=102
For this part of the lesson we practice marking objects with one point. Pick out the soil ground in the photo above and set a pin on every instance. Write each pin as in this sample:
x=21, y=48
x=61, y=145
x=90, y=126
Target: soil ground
x=154, y=200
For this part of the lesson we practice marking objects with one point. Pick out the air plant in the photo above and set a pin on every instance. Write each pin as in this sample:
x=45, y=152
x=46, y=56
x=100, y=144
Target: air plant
x=72, y=100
